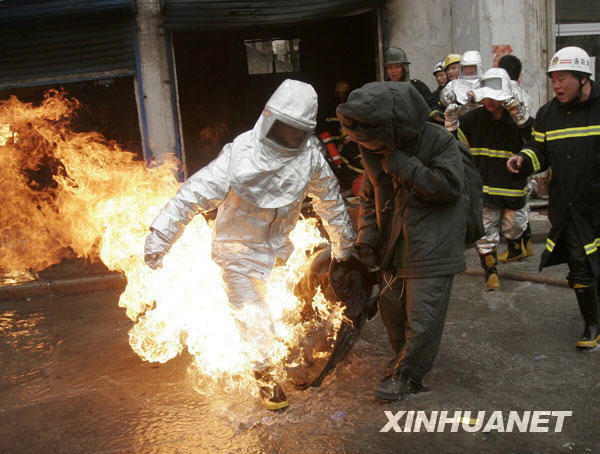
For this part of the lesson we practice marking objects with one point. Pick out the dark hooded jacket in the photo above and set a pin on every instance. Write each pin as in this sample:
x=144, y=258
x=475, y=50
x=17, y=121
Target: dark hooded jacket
x=413, y=202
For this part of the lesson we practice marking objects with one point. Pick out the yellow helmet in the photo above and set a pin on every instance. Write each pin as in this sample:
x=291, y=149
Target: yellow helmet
x=342, y=85
x=450, y=59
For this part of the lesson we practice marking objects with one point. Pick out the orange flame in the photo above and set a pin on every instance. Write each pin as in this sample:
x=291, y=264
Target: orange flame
x=66, y=192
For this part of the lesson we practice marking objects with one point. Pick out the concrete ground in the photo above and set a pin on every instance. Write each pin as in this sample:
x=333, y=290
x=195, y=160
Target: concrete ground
x=69, y=382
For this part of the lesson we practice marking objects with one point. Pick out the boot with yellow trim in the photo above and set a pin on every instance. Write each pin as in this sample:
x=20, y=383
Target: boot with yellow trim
x=488, y=262
x=588, y=305
x=514, y=251
x=527, y=242
x=271, y=393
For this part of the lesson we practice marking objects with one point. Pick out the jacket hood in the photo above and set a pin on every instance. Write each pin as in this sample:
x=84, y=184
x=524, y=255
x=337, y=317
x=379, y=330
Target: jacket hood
x=394, y=112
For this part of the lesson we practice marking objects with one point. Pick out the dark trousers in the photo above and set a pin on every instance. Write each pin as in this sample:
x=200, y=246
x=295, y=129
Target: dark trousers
x=413, y=312
x=580, y=271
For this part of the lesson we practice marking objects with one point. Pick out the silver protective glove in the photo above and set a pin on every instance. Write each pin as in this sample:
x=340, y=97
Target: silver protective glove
x=156, y=247
x=447, y=96
x=451, y=115
x=517, y=110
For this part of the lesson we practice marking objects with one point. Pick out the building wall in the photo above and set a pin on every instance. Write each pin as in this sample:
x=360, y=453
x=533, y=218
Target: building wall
x=422, y=29
x=429, y=29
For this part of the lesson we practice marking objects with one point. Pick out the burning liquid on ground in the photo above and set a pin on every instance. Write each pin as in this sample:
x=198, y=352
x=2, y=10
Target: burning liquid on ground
x=70, y=193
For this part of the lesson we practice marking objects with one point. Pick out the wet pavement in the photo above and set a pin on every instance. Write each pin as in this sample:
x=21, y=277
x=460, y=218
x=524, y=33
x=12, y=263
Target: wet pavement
x=69, y=382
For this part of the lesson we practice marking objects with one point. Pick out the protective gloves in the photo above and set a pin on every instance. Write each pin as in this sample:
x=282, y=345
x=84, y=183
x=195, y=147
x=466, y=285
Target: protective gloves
x=156, y=247
x=517, y=111
x=367, y=255
x=451, y=115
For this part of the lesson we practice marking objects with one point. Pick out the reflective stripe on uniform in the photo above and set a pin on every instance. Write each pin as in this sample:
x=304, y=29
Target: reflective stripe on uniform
x=592, y=247
x=567, y=133
x=550, y=244
x=534, y=159
x=461, y=136
x=538, y=136
x=491, y=153
x=351, y=167
x=505, y=192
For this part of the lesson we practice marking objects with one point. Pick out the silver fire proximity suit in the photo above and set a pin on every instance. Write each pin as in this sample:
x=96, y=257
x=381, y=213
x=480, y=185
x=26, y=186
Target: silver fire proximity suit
x=258, y=184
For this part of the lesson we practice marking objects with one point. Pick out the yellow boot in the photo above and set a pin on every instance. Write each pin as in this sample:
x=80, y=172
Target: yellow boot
x=488, y=262
x=514, y=251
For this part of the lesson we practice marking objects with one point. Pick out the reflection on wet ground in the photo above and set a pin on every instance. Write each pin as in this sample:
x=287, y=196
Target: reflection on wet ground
x=70, y=383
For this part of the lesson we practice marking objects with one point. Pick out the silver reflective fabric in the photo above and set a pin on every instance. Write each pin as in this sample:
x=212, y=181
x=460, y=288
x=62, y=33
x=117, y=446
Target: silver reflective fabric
x=522, y=96
x=495, y=84
x=258, y=190
x=460, y=88
x=511, y=223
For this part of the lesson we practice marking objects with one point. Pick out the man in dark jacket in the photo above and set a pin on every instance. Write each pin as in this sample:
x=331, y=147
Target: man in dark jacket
x=565, y=138
x=411, y=222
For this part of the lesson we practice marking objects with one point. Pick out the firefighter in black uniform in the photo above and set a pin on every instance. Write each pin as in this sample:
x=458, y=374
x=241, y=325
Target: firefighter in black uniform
x=342, y=155
x=437, y=108
x=396, y=67
x=494, y=133
x=566, y=138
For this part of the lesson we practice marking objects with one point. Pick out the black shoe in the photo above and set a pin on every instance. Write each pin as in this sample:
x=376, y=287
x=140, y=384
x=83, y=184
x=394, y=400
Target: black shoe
x=397, y=387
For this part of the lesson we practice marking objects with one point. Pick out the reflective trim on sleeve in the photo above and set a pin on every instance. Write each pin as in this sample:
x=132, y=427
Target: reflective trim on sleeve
x=592, y=247
x=568, y=133
x=538, y=136
x=534, y=159
x=550, y=244
x=461, y=136
x=505, y=192
x=491, y=153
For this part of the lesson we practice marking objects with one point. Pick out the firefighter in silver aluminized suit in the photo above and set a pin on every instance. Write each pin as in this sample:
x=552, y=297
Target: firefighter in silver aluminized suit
x=258, y=183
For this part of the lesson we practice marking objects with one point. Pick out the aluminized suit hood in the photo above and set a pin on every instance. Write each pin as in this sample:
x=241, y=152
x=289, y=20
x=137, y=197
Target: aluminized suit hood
x=268, y=175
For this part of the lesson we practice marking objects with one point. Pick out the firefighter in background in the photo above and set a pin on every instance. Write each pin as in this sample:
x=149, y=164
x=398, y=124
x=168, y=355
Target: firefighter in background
x=437, y=109
x=493, y=133
x=452, y=66
x=456, y=95
x=396, y=68
x=565, y=139
x=513, y=67
x=342, y=154
x=258, y=183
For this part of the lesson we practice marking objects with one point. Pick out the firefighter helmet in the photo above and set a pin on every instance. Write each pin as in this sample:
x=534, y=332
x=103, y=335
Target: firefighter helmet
x=470, y=58
x=342, y=86
x=571, y=58
x=439, y=66
x=495, y=84
x=395, y=55
x=451, y=59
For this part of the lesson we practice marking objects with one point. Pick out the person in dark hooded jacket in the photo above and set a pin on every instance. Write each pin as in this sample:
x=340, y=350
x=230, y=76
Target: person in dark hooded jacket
x=413, y=206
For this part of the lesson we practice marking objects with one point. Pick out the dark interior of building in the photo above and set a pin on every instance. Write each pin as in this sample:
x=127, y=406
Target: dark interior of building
x=219, y=99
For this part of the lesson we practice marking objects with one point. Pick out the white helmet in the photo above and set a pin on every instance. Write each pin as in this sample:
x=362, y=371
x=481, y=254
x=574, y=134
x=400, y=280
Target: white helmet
x=439, y=66
x=571, y=59
x=494, y=84
x=470, y=58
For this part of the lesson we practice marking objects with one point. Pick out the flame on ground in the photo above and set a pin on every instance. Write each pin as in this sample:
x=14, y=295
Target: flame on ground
x=66, y=192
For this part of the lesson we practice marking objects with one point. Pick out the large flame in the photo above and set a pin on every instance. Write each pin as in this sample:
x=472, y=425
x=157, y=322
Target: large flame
x=66, y=192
